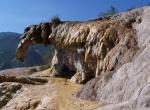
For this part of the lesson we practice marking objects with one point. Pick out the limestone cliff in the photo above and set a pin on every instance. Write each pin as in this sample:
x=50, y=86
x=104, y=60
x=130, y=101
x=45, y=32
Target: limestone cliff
x=127, y=88
x=114, y=50
x=86, y=49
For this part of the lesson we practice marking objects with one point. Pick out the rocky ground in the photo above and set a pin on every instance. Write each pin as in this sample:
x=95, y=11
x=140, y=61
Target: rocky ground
x=8, y=91
x=57, y=94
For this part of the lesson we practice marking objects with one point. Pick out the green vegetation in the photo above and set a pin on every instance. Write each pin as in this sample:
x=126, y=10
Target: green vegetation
x=55, y=20
x=130, y=9
x=110, y=12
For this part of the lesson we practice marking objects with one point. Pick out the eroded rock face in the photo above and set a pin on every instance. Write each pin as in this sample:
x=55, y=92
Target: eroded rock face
x=90, y=46
x=128, y=87
x=7, y=91
x=31, y=97
x=86, y=48
x=23, y=79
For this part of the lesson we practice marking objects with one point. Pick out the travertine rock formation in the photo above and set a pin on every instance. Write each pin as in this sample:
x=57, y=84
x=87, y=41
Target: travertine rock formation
x=86, y=49
x=7, y=91
x=23, y=79
x=128, y=88
x=54, y=95
x=116, y=51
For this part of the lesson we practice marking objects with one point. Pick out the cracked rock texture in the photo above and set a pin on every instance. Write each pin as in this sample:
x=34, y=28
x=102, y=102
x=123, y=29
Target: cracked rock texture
x=8, y=91
x=129, y=87
x=84, y=50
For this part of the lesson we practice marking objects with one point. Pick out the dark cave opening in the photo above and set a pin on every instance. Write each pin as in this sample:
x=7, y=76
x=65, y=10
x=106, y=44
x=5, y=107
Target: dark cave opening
x=67, y=72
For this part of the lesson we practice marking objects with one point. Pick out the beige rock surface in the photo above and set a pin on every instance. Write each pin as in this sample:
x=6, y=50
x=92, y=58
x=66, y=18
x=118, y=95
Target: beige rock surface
x=8, y=91
x=128, y=88
x=86, y=48
x=57, y=94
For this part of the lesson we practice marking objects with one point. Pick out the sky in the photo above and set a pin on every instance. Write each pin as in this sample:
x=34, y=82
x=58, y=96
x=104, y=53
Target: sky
x=15, y=15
